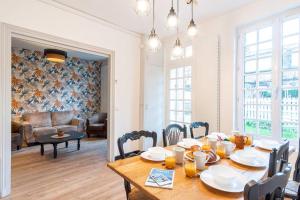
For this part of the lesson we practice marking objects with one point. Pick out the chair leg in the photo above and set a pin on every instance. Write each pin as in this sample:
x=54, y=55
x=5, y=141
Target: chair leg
x=18, y=147
x=127, y=188
x=88, y=135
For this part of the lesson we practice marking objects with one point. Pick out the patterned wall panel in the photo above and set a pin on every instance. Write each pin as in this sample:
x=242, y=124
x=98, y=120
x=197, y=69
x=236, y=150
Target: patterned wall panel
x=39, y=85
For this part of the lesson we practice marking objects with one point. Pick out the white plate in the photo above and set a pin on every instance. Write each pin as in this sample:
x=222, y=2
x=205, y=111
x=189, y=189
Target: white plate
x=237, y=185
x=187, y=143
x=146, y=155
x=59, y=137
x=251, y=158
x=218, y=158
x=267, y=144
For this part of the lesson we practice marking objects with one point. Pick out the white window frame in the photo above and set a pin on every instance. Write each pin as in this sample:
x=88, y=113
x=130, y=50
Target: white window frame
x=276, y=22
x=171, y=64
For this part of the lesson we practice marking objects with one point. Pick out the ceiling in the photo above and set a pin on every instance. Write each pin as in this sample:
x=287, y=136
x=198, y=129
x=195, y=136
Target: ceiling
x=20, y=43
x=122, y=12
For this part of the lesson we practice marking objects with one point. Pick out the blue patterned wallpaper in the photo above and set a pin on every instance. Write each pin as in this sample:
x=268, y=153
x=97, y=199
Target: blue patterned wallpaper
x=40, y=85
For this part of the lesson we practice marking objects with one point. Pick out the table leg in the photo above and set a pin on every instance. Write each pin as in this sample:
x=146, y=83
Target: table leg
x=42, y=149
x=78, y=144
x=67, y=144
x=55, y=150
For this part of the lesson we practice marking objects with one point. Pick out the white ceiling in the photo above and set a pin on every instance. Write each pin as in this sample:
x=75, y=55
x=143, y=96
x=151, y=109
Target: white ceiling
x=20, y=43
x=122, y=12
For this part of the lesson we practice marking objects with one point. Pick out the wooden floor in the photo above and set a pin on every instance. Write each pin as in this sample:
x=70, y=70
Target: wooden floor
x=73, y=175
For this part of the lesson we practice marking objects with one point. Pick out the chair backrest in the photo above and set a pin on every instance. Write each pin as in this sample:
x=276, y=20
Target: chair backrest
x=135, y=135
x=195, y=125
x=270, y=189
x=173, y=133
x=296, y=175
x=276, y=156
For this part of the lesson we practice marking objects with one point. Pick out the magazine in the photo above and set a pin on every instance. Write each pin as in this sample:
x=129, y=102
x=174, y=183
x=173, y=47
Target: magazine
x=160, y=178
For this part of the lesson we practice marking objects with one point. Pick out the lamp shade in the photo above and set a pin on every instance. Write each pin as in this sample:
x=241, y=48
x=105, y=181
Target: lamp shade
x=55, y=55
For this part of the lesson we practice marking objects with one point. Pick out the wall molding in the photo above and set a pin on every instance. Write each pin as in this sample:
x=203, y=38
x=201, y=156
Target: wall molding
x=89, y=16
x=6, y=33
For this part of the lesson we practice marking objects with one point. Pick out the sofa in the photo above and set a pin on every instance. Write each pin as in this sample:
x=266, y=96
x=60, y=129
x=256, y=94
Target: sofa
x=16, y=136
x=42, y=123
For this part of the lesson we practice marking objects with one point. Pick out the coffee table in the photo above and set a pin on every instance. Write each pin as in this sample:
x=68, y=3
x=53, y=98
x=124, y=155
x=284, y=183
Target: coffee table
x=47, y=139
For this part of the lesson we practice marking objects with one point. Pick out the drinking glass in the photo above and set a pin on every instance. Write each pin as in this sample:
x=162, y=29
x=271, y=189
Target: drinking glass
x=221, y=151
x=190, y=169
x=170, y=161
x=205, y=145
x=249, y=140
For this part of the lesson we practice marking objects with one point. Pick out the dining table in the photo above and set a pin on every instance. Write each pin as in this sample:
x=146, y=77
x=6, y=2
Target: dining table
x=136, y=170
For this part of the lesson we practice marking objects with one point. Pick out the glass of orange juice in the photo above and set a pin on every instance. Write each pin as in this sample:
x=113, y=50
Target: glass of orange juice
x=170, y=161
x=205, y=146
x=232, y=138
x=221, y=151
x=190, y=169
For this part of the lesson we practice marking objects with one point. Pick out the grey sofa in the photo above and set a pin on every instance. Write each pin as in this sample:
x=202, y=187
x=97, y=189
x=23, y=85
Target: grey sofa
x=42, y=123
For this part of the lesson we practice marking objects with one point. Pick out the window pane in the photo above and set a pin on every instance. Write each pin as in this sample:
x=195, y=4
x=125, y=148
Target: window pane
x=265, y=81
x=291, y=43
x=187, y=117
x=289, y=97
x=251, y=38
x=188, y=71
x=250, y=52
x=265, y=64
x=264, y=112
x=179, y=83
x=172, y=94
x=290, y=59
x=250, y=126
x=172, y=115
x=250, y=82
x=180, y=72
x=250, y=66
x=250, y=97
x=179, y=106
x=179, y=116
x=265, y=128
x=188, y=51
x=187, y=105
x=187, y=95
x=265, y=49
x=265, y=34
x=289, y=131
x=290, y=79
x=172, y=84
x=180, y=94
x=188, y=84
x=173, y=73
x=172, y=105
x=291, y=27
x=250, y=111
x=264, y=97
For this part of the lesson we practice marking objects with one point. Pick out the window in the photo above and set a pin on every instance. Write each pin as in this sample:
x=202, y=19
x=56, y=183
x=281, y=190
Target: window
x=268, y=79
x=180, y=95
x=187, y=53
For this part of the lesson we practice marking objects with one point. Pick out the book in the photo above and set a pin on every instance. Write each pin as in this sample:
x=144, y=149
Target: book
x=161, y=178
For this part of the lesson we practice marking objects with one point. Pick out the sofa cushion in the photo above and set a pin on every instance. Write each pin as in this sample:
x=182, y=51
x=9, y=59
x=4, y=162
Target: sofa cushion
x=44, y=131
x=95, y=127
x=38, y=119
x=61, y=118
x=66, y=128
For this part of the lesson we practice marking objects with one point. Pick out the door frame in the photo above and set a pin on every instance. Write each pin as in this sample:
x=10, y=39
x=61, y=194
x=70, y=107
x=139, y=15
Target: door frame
x=7, y=32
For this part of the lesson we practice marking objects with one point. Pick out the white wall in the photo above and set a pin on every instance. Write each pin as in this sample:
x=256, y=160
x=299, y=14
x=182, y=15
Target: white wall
x=38, y=16
x=225, y=27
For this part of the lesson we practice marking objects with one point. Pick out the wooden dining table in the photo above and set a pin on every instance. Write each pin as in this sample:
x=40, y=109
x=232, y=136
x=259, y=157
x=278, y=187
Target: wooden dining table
x=136, y=170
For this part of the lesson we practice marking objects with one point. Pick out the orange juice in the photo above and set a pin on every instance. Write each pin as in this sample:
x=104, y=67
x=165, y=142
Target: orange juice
x=221, y=153
x=249, y=140
x=190, y=169
x=232, y=138
x=205, y=147
x=170, y=162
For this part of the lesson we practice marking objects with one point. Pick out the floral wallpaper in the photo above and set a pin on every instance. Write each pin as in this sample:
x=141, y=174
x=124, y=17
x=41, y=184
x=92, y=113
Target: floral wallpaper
x=40, y=85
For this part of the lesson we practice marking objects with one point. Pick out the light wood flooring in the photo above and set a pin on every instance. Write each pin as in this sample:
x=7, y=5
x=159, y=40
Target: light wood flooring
x=73, y=175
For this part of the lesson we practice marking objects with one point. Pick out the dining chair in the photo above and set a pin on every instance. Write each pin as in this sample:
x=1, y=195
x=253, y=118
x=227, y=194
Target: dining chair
x=133, y=193
x=276, y=156
x=195, y=125
x=269, y=189
x=292, y=190
x=173, y=134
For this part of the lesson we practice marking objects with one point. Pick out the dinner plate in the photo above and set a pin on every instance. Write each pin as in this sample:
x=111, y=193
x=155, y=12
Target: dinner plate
x=236, y=185
x=191, y=159
x=251, y=158
x=267, y=144
x=147, y=156
x=188, y=142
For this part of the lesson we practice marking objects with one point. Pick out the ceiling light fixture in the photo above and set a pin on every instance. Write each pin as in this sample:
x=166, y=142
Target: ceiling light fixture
x=154, y=43
x=172, y=19
x=192, y=28
x=177, y=51
x=55, y=55
x=142, y=7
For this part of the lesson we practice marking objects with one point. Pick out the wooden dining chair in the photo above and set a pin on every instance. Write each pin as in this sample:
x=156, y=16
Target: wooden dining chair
x=195, y=125
x=270, y=189
x=133, y=193
x=173, y=134
x=292, y=190
x=276, y=156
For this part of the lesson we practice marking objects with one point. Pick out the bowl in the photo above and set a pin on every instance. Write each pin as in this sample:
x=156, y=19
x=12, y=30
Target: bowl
x=223, y=175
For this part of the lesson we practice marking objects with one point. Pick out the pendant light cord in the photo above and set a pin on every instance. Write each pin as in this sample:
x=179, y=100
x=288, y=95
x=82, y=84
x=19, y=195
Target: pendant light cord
x=177, y=16
x=153, y=14
x=192, y=9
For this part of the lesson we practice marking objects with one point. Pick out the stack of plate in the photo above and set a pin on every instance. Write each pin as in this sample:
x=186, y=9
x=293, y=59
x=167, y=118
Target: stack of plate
x=251, y=158
x=188, y=142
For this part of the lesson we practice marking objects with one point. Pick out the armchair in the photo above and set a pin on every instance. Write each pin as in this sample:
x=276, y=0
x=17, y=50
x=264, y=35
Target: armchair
x=16, y=135
x=97, y=124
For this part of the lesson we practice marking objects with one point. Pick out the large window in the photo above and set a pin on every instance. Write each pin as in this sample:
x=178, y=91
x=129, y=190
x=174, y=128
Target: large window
x=268, y=78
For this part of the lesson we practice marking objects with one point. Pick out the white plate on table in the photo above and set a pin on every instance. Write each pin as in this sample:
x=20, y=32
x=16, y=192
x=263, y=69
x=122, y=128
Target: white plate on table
x=212, y=162
x=224, y=178
x=188, y=142
x=163, y=152
x=267, y=144
x=251, y=158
